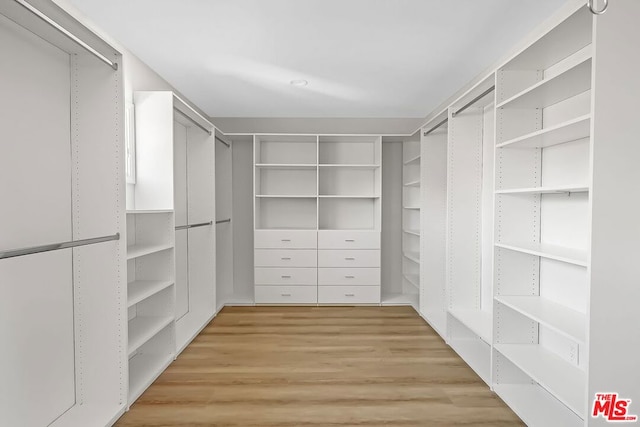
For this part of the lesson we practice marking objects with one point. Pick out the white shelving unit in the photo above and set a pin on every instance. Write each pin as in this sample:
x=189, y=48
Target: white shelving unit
x=150, y=296
x=64, y=310
x=469, y=226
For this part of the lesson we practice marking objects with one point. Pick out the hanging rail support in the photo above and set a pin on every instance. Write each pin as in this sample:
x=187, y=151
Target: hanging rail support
x=223, y=141
x=591, y=6
x=435, y=127
x=473, y=101
x=185, y=227
x=223, y=221
x=66, y=33
x=56, y=246
x=186, y=116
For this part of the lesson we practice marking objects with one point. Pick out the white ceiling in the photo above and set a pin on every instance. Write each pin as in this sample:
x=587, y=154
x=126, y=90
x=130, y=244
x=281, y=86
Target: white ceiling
x=362, y=58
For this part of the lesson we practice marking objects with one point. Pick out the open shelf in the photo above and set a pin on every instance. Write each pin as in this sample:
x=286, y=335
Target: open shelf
x=545, y=190
x=144, y=369
x=545, y=93
x=82, y=415
x=478, y=321
x=437, y=319
x=413, y=159
x=148, y=211
x=351, y=166
x=354, y=196
x=544, y=250
x=415, y=183
x=562, y=319
x=568, y=131
x=564, y=380
x=413, y=256
x=285, y=196
x=536, y=407
x=417, y=208
x=293, y=166
x=476, y=353
x=400, y=299
x=414, y=279
x=143, y=328
x=143, y=289
x=413, y=232
x=137, y=251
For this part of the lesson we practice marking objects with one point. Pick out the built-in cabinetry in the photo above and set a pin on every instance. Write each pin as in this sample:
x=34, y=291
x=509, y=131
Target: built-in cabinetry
x=63, y=318
x=317, y=219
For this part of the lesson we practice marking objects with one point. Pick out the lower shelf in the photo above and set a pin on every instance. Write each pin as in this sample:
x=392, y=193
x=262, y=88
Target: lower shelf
x=437, y=319
x=478, y=321
x=477, y=354
x=536, y=407
x=189, y=326
x=89, y=414
x=143, y=328
x=144, y=369
x=400, y=299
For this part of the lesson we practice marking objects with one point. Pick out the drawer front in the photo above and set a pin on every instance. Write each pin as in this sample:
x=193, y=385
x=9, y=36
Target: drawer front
x=354, y=258
x=283, y=239
x=349, y=295
x=349, y=276
x=348, y=239
x=286, y=258
x=286, y=295
x=286, y=276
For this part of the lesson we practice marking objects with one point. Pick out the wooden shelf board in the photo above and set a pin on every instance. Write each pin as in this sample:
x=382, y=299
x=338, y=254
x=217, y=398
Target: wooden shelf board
x=563, y=320
x=143, y=328
x=142, y=289
x=545, y=190
x=568, y=131
x=544, y=250
x=536, y=406
x=477, y=321
x=137, y=251
x=571, y=82
x=565, y=381
x=143, y=371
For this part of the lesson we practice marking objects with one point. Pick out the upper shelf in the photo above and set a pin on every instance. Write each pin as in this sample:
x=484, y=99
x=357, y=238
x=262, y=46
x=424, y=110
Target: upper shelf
x=573, y=81
x=545, y=250
x=568, y=131
x=545, y=190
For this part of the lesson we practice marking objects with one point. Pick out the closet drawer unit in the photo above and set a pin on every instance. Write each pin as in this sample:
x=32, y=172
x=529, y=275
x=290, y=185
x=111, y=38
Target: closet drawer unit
x=349, y=295
x=283, y=239
x=353, y=258
x=286, y=295
x=349, y=276
x=286, y=258
x=286, y=276
x=348, y=239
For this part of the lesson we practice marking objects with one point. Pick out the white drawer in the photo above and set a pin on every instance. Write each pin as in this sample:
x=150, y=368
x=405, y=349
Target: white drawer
x=348, y=239
x=354, y=258
x=286, y=276
x=282, y=239
x=349, y=276
x=286, y=258
x=286, y=294
x=349, y=295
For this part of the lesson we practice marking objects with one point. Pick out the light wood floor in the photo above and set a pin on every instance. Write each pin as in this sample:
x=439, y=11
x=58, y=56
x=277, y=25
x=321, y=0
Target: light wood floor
x=318, y=366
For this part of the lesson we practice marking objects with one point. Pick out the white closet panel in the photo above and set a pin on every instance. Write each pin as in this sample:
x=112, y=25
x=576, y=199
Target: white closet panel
x=180, y=184
x=182, y=273
x=224, y=230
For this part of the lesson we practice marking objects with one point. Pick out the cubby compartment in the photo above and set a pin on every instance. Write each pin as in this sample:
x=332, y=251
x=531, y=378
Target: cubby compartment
x=349, y=181
x=350, y=150
x=349, y=214
x=286, y=150
x=289, y=181
x=286, y=213
x=470, y=346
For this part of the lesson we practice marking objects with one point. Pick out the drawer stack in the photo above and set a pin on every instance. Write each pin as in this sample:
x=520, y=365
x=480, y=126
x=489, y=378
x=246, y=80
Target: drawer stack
x=286, y=266
x=348, y=267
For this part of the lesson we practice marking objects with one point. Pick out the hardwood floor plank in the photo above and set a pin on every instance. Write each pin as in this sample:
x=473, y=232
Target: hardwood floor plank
x=318, y=366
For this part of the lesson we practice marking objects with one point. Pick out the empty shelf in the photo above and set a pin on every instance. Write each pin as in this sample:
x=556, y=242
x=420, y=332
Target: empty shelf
x=414, y=232
x=562, y=319
x=143, y=328
x=413, y=256
x=568, y=131
x=477, y=354
x=545, y=190
x=412, y=207
x=85, y=414
x=544, y=250
x=143, y=370
x=412, y=160
x=147, y=211
x=340, y=196
x=414, y=279
x=143, y=289
x=350, y=166
x=478, y=321
x=302, y=166
x=285, y=196
x=412, y=183
x=565, y=381
x=136, y=251
x=400, y=299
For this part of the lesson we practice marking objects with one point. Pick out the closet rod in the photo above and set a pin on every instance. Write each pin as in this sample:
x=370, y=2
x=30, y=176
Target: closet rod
x=186, y=116
x=223, y=141
x=66, y=33
x=56, y=246
x=473, y=101
x=435, y=127
x=202, y=224
x=223, y=220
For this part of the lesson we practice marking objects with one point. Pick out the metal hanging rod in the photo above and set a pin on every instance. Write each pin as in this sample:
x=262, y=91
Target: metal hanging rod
x=591, y=6
x=56, y=246
x=435, y=127
x=186, y=116
x=66, y=33
x=223, y=141
x=185, y=227
x=473, y=101
x=223, y=220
